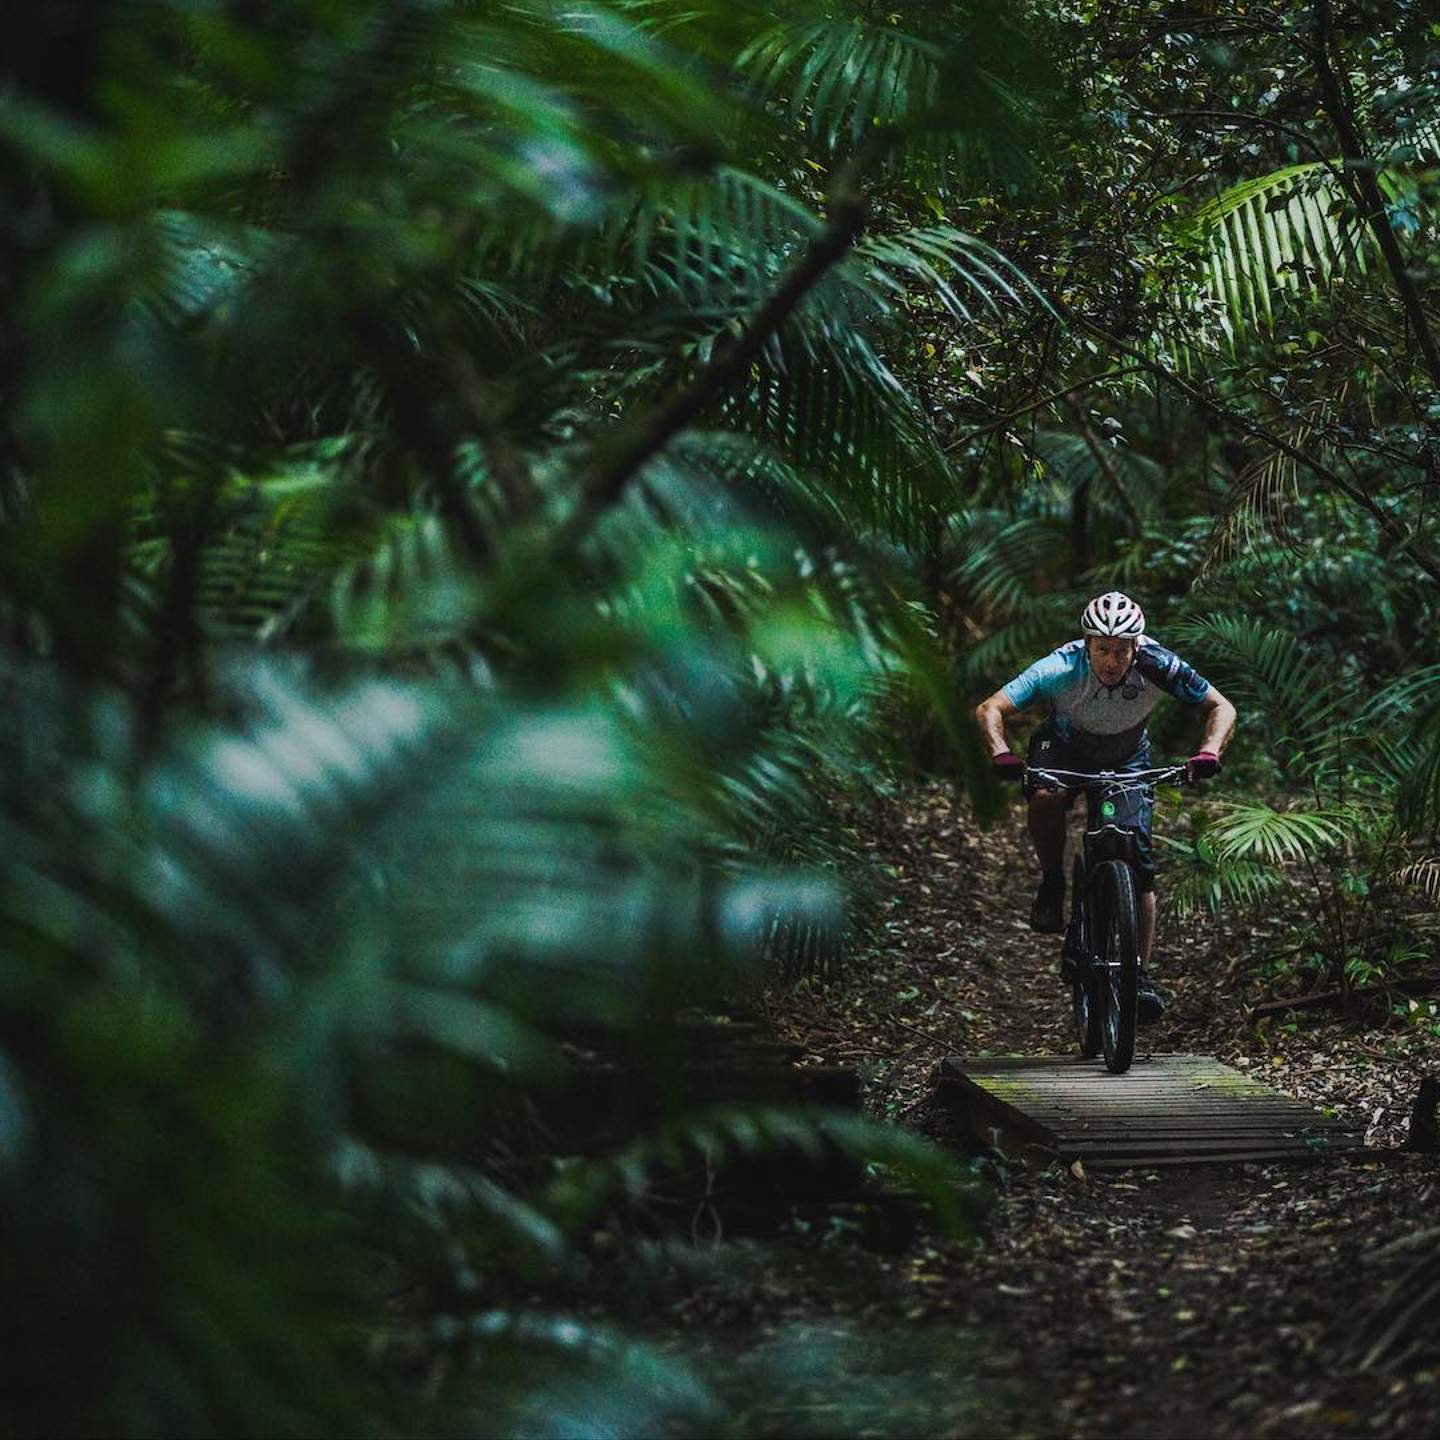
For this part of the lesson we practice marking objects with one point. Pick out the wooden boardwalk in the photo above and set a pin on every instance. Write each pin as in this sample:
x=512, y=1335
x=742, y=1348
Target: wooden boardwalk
x=1167, y=1110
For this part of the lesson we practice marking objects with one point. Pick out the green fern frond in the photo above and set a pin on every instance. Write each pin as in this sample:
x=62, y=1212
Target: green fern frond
x=726, y=1131
x=844, y=76
x=1272, y=235
x=1000, y=564
x=1198, y=878
x=1260, y=832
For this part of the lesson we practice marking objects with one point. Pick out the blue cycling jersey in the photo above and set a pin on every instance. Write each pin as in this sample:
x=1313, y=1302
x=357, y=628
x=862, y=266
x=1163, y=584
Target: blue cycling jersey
x=1104, y=723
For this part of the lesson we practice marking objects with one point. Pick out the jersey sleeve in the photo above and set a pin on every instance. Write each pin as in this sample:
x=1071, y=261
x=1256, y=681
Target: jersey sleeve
x=1166, y=669
x=1046, y=677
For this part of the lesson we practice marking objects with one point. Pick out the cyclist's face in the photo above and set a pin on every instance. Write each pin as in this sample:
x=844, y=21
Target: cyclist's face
x=1110, y=657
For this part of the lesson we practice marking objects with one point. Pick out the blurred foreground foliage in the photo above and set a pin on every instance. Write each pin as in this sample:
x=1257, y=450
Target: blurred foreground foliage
x=451, y=485
x=478, y=481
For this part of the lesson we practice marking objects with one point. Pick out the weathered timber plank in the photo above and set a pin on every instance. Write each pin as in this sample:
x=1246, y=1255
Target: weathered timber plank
x=1163, y=1162
x=1160, y=1117
x=1227, y=1127
x=1195, y=1142
x=1056, y=1063
x=1171, y=1108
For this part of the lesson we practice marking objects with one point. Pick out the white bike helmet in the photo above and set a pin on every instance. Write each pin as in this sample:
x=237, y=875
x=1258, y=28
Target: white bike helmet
x=1113, y=614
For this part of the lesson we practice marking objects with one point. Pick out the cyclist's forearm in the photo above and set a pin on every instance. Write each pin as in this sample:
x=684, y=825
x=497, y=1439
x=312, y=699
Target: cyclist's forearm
x=1219, y=725
x=991, y=715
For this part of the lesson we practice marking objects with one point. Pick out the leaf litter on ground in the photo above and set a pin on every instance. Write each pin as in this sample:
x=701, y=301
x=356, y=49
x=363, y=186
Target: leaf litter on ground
x=1213, y=1301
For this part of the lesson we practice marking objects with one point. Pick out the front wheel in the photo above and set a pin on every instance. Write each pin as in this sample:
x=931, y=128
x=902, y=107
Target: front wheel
x=1116, y=910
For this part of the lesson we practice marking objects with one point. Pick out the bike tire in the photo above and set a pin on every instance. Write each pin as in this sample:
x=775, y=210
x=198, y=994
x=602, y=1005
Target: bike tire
x=1116, y=910
x=1084, y=997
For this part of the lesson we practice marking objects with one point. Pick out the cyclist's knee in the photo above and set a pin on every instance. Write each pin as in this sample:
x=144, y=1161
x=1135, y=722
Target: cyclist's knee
x=1046, y=802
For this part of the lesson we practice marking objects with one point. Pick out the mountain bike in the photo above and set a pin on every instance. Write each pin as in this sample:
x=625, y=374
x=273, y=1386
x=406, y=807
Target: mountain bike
x=1100, y=956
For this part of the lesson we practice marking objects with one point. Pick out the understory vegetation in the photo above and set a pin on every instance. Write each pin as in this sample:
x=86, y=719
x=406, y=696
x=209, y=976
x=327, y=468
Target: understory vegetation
x=488, y=492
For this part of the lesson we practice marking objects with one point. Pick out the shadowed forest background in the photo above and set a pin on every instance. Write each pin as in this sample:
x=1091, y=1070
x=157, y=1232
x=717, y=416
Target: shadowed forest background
x=503, y=505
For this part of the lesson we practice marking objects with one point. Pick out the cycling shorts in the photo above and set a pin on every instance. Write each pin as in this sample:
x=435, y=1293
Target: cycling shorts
x=1133, y=809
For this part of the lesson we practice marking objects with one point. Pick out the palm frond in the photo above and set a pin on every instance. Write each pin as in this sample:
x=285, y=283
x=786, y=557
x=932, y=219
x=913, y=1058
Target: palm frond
x=1411, y=695
x=1006, y=647
x=1407, y=714
x=1124, y=487
x=1287, y=235
x=1419, y=795
x=1001, y=564
x=725, y=1131
x=830, y=404
x=1265, y=493
x=1198, y=878
x=842, y=77
x=1272, y=235
x=201, y=266
x=715, y=242
x=1261, y=832
x=947, y=100
x=945, y=263
x=559, y=1374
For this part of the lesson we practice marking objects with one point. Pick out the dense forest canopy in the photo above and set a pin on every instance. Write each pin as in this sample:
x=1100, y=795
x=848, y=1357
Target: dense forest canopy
x=484, y=487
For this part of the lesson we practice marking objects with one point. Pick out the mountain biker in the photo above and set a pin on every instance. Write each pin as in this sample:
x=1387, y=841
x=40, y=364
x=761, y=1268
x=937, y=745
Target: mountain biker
x=1099, y=691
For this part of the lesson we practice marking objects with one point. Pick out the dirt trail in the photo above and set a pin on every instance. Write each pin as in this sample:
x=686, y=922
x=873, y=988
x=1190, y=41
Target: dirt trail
x=1223, y=1302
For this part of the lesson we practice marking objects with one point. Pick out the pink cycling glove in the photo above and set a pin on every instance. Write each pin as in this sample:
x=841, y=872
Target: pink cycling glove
x=1202, y=765
x=1008, y=765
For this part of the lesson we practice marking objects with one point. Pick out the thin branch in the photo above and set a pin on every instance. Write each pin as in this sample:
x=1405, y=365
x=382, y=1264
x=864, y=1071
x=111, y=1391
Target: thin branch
x=1003, y=420
x=1279, y=126
x=939, y=1044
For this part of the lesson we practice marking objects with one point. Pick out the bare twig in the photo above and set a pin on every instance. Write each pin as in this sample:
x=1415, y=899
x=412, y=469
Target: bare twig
x=924, y=1034
x=1001, y=421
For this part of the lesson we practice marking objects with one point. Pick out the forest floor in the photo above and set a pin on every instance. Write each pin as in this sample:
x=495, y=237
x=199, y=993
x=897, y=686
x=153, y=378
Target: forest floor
x=1213, y=1301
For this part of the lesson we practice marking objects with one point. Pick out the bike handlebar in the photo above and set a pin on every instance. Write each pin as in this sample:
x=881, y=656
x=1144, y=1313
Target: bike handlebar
x=1156, y=776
